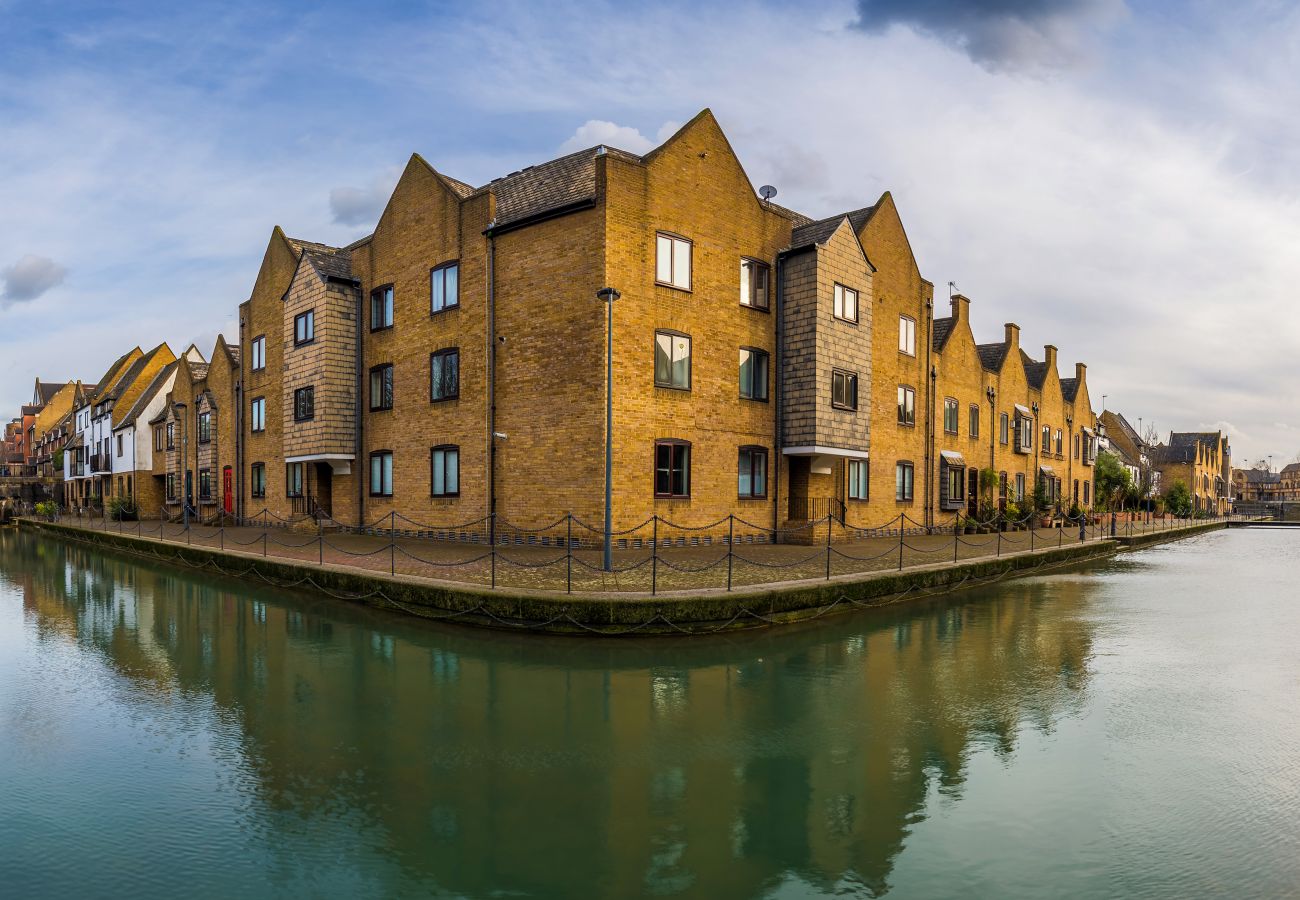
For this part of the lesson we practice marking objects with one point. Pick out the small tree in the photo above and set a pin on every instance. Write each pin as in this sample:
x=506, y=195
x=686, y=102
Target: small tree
x=988, y=484
x=1114, y=482
x=1178, y=499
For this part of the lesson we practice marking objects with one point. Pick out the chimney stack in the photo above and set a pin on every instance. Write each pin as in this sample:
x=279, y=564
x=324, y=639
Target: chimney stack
x=1049, y=356
x=1013, y=335
x=960, y=308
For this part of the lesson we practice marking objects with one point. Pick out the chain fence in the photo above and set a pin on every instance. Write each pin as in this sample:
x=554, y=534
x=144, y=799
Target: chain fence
x=654, y=556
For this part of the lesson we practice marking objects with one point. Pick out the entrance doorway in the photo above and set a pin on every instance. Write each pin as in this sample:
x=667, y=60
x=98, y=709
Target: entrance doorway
x=228, y=490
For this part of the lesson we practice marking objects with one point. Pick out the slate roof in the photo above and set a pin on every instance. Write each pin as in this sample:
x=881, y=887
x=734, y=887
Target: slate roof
x=128, y=377
x=819, y=232
x=1291, y=468
x=147, y=395
x=331, y=263
x=1129, y=431
x=992, y=356
x=1191, y=438
x=942, y=331
x=1185, y=453
x=1069, y=389
x=47, y=391
x=1259, y=476
x=1035, y=371
x=103, y=382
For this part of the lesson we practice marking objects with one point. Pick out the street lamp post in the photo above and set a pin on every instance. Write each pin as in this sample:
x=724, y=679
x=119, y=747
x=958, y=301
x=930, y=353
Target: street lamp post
x=185, y=455
x=608, y=295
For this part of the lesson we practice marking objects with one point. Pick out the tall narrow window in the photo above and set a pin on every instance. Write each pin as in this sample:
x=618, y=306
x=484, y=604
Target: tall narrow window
x=257, y=417
x=444, y=374
x=304, y=327
x=304, y=404
x=673, y=261
x=859, y=480
x=753, y=283
x=1003, y=429
x=907, y=335
x=846, y=303
x=753, y=472
x=205, y=484
x=381, y=308
x=381, y=473
x=844, y=389
x=753, y=373
x=257, y=481
x=444, y=287
x=672, y=360
x=381, y=387
x=950, y=415
x=257, y=353
x=205, y=427
x=1046, y=445
x=119, y=445
x=1020, y=486
x=903, y=476
x=1058, y=442
x=171, y=435
x=974, y=423
x=906, y=405
x=293, y=479
x=171, y=485
x=444, y=477
x=672, y=469
x=158, y=437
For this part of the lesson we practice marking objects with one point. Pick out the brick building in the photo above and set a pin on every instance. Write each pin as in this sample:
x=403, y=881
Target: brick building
x=1203, y=462
x=452, y=364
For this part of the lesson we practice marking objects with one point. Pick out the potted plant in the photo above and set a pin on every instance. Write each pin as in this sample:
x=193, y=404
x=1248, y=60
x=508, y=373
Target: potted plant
x=1011, y=516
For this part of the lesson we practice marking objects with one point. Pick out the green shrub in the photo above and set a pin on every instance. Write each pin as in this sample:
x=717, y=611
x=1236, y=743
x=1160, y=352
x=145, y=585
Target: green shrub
x=121, y=509
x=47, y=509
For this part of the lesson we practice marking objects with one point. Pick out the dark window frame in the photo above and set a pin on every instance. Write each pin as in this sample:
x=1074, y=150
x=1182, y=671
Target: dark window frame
x=851, y=484
x=254, y=491
x=908, y=488
x=690, y=360
x=171, y=435
x=376, y=370
x=676, y=445
x=370, y=473
x=843, y=374
x=845, y=290
x=203, y=427
x=308, y=391
x=389, y=294
x=253, y=354
x=442, y=268
x=1004, y=429
x=432, y=451
x=755, y=451
x=252, y=418
x=301, y=469
x=672, y=268
x=903, y=419
x=767, y=369
x=205, y=484
x=756, y=265
x=309, y=316
x=444, y=353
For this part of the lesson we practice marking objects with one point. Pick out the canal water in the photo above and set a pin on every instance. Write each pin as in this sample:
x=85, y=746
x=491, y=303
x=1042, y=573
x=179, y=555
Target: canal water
x=1127, y=729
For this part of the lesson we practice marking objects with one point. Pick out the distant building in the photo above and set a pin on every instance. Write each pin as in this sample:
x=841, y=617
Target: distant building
x=1203, y=461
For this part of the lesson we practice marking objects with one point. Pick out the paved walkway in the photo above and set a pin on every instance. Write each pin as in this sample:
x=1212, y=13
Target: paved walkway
x=674, y=568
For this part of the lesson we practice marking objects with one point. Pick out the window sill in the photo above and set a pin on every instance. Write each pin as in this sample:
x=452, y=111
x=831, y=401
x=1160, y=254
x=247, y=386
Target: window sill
x=375, y=409
x=455, y=496
x=298, y=344
x=670, y=387
x=673, y=287
x=677, y=497
x=377, y=330
x=445, y=309
x=762, y=309
x=754, y=399
x=853, y=322
x=843, y=408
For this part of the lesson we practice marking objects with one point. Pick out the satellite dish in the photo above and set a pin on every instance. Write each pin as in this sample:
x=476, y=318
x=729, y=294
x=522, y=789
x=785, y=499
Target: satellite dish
x=767, y=192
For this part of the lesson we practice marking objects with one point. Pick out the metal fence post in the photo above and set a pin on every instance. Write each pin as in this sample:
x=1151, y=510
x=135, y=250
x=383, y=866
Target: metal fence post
x=997, y=529
x=221, y=536
x=731, y=542
x=392, y=543
x=902, y=526
x=654, y=556
x=956, y=525
x=568, y=554
x=320, y=547
x=1031, y=531
x=829, y=522
x=492, y=521
x=264, y=544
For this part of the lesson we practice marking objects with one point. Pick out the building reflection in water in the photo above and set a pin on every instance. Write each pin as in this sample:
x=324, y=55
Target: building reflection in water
x=480, y=762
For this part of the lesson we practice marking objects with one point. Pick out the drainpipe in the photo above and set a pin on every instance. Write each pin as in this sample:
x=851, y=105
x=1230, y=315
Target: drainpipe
x=239, y=437
x=491, y=385
x=359, y=475
x=926, y=507
x=778, y=432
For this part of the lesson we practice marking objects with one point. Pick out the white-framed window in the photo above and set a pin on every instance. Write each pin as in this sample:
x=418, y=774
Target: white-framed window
x=859, y=479
x=846, y=303
x=673, y=261
x=973, y=429
x=1004, y=429
x=907, y=335
x=950, y=415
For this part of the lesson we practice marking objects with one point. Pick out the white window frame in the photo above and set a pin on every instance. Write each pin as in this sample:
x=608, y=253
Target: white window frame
x=673, y=262
x=907, y=335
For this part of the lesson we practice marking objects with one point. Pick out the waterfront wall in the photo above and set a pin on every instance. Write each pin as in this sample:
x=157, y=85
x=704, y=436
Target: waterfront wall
x=609, y=614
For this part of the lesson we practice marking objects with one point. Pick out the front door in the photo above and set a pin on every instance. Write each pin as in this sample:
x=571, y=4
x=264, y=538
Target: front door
x=972, y=493
x=324, y=488
x=227, y=490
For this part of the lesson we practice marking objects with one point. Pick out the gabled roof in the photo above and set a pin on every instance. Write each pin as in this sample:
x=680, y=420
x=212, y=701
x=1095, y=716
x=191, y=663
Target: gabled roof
x=1035, y=371
x=1189, y=438
x=942, y=331
x=1259, y=476
x=1069, y=389
x=1127, y=429
x=110, y=376
x=198, y=371
x=1185, y=453
x=546, y=187
x=45, y=391
x=820, y=231
x=992, y=356
x=147, y=395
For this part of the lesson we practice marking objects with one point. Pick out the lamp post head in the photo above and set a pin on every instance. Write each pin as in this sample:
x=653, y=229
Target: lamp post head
x=608, y=294
x=990, y=393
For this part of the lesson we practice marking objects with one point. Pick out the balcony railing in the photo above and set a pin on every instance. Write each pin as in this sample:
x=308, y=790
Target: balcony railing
x=810, y=509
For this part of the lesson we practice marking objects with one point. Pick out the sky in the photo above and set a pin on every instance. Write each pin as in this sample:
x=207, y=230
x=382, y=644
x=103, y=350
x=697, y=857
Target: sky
x=1119, y=178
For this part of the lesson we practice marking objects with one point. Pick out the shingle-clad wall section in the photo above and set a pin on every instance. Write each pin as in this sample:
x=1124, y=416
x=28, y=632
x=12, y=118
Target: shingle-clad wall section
x=843, y=345
x=326, y=364
x=799, y=369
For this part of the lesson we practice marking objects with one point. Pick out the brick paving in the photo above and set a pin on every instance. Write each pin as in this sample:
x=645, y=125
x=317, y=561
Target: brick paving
x=520, y=564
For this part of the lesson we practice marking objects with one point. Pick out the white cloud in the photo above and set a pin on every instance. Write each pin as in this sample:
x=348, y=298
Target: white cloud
x=29, y=278
x=594, y=132
x=363, y=206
